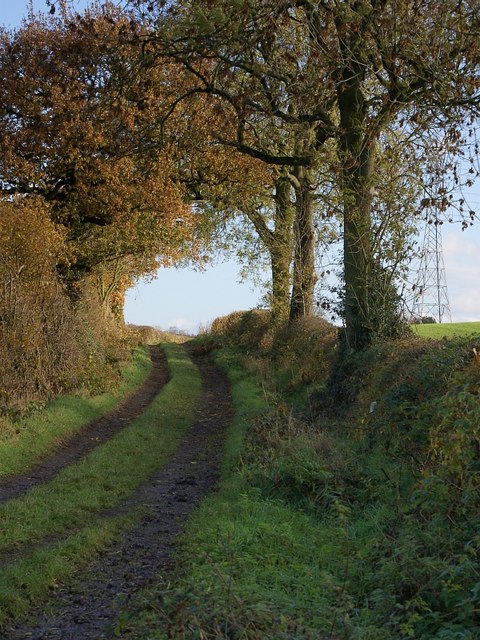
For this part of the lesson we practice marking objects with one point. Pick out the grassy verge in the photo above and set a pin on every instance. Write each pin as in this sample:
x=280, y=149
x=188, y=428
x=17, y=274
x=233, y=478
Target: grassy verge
x=249, y=401
x=110, y=473
x=27, y=440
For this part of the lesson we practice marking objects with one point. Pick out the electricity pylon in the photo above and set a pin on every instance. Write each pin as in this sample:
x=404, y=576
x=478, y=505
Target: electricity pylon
x=431, y=293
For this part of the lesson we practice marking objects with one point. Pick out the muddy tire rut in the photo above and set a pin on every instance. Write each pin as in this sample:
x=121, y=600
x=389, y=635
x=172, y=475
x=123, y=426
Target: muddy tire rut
x=88, y=609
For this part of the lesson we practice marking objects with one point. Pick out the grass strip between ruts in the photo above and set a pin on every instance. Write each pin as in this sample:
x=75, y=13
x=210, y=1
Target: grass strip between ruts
x=100, y=481
x=27, y=440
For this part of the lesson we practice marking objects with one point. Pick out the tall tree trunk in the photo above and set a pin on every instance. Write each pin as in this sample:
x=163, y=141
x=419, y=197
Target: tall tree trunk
x=357, y=254
x=304, y=275
x=279, y=243
x=281, y=250
x=357, y=155
x=107, y=284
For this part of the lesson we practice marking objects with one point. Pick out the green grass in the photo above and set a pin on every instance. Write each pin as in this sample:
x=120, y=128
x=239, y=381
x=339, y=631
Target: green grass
x=110, y=473
x=27, y=440
x=326, y=530
x=446, y=330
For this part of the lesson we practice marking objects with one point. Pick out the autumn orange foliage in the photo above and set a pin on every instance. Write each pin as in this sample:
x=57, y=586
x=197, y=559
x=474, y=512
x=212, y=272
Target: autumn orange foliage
x=88, y=204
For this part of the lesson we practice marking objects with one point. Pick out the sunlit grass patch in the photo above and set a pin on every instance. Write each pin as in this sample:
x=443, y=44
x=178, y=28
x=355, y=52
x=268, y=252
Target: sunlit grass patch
x=446, y=329
x=27, y=440
x=111, y=471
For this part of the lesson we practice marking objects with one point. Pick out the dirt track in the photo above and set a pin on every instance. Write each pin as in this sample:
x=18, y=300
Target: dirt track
x=88, y=609
x=93, y=434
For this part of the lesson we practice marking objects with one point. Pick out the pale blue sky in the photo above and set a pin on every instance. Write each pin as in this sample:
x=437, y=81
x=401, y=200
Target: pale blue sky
x=189, y=299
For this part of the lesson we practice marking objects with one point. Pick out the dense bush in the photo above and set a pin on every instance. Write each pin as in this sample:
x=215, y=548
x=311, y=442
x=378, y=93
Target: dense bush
x=304, y=351
x=51, y=341
x=38, y=349
x=249, y=329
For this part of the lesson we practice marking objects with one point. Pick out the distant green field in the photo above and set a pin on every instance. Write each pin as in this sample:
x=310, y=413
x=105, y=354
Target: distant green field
x=446, y=330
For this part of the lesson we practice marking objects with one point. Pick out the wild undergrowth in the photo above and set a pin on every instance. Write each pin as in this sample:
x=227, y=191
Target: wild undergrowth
x=55, y=528
x=355, y=515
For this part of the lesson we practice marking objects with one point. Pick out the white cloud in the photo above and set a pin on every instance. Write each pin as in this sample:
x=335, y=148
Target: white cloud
x=180, y=323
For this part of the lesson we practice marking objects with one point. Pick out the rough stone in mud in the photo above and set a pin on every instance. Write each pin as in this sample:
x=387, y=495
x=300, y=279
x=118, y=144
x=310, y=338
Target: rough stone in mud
x=88, y=609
